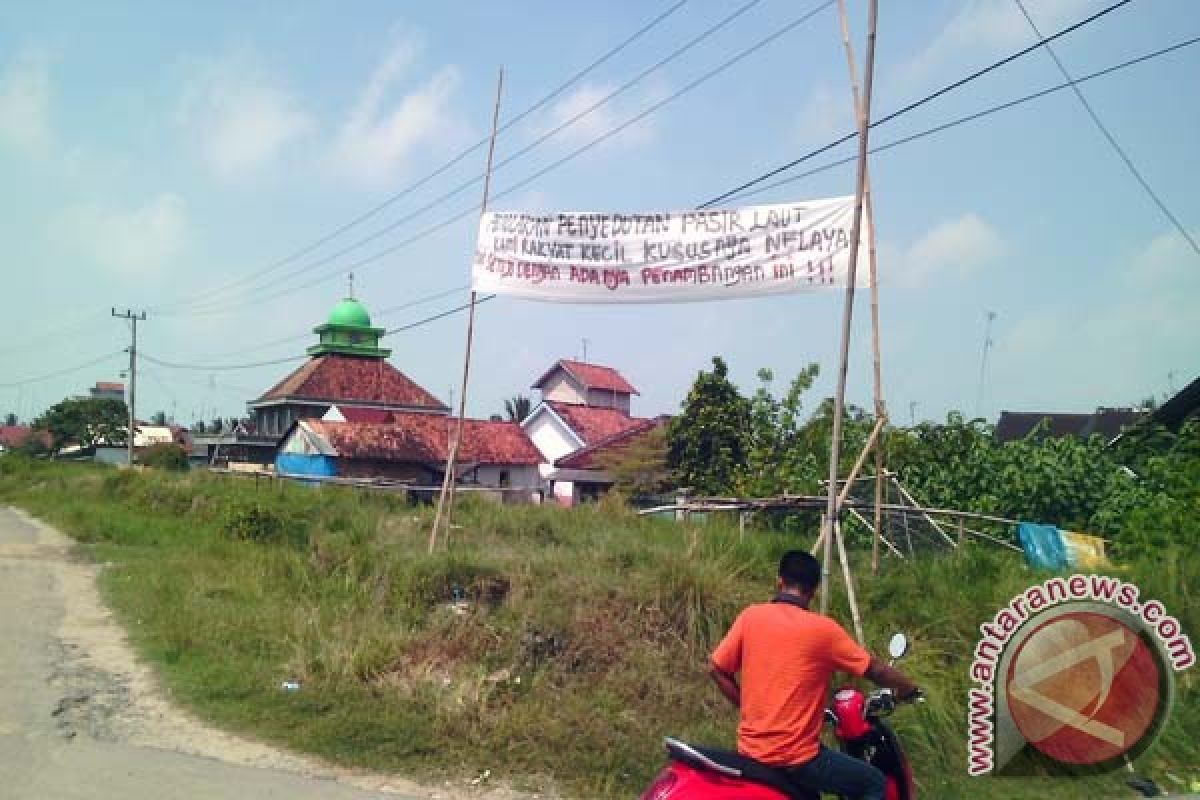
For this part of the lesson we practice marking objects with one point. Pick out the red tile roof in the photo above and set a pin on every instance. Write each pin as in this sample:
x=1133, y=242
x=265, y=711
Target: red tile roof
x=376, y=416
x=590, y=376
x=585, y=458
x=15, y=435
x=591, y=423
x=109, y=386
x=334, y=377
x=425, y=438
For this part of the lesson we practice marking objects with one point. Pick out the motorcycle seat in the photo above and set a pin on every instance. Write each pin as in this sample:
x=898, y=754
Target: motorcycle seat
x=736, y=765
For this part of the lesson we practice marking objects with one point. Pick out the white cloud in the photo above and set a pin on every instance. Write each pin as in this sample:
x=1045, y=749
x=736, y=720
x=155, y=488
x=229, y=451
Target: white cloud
x=383, y=134
x=825, y=114
x=242, y=118
x=987, y=27
x=25, y=91
x=596, y=119
x=1119, y=352
x=130, y=241
x=954, y=247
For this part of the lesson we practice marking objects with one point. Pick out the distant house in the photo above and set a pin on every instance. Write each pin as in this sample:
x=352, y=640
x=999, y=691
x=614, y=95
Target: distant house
x=1106, y=423
x=585, y=468
x=1180, y=408
x=108, y=390
x=411, y=447
x=15, y=436
x=582, y=405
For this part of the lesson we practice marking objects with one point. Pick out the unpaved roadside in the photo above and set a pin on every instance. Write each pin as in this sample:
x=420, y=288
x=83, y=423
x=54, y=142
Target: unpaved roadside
x=81, y=717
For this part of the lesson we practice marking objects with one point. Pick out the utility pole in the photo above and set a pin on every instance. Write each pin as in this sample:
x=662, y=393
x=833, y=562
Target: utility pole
x=585, y=343
x=133, y=319
x=987, y=346
x=912, y=412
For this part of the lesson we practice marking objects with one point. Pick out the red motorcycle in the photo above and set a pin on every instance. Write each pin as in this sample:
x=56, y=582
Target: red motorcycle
x=704, y=773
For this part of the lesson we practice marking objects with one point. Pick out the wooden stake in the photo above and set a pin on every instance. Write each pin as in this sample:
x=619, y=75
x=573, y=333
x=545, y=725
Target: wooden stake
x=858, y=516
x=863, y=112
x=853, y=476
x=849, y=579
x=452, y=460
x=908, y=497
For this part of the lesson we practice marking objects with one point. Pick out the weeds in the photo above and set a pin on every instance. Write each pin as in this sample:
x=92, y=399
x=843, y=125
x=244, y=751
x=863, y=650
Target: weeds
x=549, y=646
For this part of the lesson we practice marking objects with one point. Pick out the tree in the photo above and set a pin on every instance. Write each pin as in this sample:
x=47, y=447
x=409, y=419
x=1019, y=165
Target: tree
x=165, y=456
x=86, y=421
x=10, y=420
x=706, y=443
x=639, y=469
x=198, y=426
x=778, y=458
x=159, y=418
x=517, y=407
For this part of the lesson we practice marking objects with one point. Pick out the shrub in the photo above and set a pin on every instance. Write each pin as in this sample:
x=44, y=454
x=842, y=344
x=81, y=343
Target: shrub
x=164, y=456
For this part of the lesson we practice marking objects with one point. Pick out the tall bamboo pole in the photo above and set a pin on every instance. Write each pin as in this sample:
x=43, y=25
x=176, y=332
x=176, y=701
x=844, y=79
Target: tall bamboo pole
x=880, y=406
x=863, y=110
x=452, y=460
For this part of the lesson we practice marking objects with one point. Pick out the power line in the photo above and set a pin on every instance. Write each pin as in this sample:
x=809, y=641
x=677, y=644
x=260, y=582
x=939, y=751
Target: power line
x=219, y=367
x=794, y=178
x=410, y=188
x=1112, y=140
x=467, y=184
x=474, y=208
x=435, y=317
x=916, y=104
x=58, y=373
x=969, y=118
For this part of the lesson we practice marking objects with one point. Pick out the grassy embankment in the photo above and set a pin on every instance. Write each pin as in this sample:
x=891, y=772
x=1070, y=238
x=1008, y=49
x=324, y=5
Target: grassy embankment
x=585, y=642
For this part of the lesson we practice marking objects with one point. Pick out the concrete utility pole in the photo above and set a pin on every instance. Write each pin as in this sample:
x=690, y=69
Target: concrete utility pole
x=133, y=318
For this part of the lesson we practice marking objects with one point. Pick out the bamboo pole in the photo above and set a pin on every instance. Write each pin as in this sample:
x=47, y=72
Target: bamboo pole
x=858, y=516
x=851, y=597
x=876, y=357
x=849, y=482
x=452, y=459
x=863, y=112
x=904, y=493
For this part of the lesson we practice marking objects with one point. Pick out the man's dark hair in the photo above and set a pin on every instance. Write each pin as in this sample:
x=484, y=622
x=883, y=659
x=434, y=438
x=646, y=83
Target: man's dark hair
x=799, y=570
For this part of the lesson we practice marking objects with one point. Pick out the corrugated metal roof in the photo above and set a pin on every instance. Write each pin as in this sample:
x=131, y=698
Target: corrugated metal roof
x=334, y=377
x=590, y=376
x=425, y=438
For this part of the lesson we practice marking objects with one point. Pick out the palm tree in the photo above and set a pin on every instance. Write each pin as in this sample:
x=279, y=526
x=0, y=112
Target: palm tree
x=518, y=407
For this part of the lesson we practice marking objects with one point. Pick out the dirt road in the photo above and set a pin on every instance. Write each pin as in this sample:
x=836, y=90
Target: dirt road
x=80, y=718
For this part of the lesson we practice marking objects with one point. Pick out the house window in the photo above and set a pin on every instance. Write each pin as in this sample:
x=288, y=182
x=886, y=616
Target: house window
x=505, y=481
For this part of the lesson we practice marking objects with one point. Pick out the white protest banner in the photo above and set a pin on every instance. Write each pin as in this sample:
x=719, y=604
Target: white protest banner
x=670, y=257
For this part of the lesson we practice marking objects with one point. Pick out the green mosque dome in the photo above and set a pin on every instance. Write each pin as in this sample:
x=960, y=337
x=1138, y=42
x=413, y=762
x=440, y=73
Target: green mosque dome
x=351, y=314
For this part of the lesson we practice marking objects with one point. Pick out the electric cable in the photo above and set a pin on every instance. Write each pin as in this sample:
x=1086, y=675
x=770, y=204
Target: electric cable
x=389, y=201
x=1108, y=135
x=60, y=372
x=470, y=182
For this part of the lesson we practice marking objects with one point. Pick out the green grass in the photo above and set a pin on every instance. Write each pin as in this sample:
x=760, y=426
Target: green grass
x=586, y=642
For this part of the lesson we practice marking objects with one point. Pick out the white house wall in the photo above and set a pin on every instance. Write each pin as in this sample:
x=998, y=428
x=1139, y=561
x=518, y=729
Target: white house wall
x=560, y=388
x=519, y=477
x=550, y=436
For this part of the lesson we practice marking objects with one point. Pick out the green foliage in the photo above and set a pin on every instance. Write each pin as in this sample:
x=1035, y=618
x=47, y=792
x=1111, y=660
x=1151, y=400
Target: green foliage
x=639, y=469
x=580, y=644
x=776, y=459
x=517, y=407
x=707, y=441
x=10, y=419
x=86, y=421
x=164, y=455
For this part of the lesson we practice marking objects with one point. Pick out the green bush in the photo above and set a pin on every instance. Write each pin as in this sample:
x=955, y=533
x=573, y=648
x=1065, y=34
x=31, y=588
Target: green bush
x=164, y=456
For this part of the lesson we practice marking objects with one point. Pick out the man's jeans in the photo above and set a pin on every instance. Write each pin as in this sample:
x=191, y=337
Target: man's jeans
x=839, y=773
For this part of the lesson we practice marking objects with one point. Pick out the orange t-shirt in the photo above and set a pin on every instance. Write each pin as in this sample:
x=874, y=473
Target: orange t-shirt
x=786, y=656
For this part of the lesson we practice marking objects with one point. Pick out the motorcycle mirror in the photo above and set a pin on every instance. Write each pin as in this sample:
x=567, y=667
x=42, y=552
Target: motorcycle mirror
x=898, y=646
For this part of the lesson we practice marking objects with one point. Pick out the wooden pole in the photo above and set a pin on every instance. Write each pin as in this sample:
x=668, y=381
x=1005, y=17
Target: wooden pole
x=858, y=516
x=880, y=406
x=851, y=598
x=853, y=476
x=452, y=459
x=863, y=112
x=908, y=497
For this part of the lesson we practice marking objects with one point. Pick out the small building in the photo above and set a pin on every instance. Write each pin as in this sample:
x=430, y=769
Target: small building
x=13, y=437
x=585, y=468
x=108, y=390
x=582, y=405
x=347, y=369
x=413, y=448
x=1106, y=423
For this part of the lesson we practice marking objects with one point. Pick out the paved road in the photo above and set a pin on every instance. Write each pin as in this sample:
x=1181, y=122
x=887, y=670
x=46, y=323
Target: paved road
x=59, y=730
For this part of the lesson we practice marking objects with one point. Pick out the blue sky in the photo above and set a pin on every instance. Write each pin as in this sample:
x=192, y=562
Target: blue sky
x=154, y=152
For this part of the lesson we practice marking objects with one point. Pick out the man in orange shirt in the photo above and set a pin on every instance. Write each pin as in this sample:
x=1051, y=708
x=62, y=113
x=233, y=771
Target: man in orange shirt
x=787, y=655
